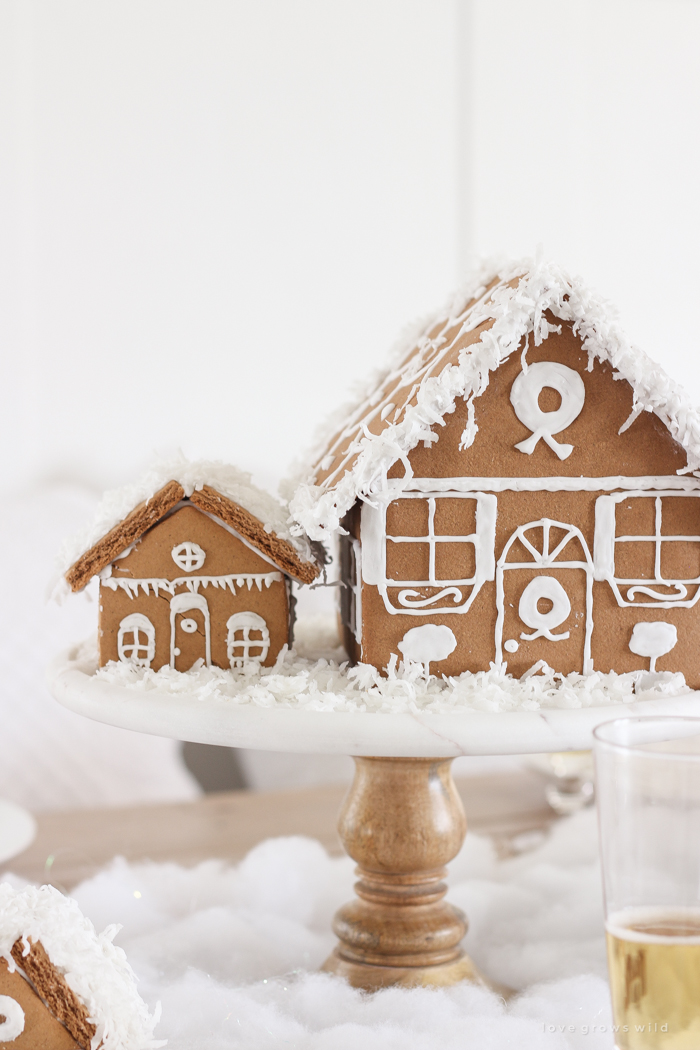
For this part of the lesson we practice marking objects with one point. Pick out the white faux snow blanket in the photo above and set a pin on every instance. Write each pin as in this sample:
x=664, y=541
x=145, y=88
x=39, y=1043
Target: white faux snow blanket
x=315, y=676
x=232, y=953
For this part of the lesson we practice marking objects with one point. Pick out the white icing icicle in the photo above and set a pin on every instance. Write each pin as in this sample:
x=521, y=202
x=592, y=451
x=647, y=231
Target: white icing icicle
x=131, y=585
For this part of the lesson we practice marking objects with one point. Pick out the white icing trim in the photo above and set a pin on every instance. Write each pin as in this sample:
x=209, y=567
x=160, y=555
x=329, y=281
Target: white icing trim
x=128, y=652
x=604, y=555
x=374, y=547
x=547, y=484
x=188, y=556
x=13, y=1025
x=131, y=586
x=544, y=559
x=182, y=603
x=246, y=622
x=357, y=591
x=524, y=395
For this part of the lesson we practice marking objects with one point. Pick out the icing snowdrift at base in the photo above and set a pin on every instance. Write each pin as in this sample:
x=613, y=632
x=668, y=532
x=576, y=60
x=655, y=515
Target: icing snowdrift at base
x=315, y=676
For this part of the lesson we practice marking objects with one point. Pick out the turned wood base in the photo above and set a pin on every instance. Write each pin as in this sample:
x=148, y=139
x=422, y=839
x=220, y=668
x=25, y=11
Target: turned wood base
x=402, y=821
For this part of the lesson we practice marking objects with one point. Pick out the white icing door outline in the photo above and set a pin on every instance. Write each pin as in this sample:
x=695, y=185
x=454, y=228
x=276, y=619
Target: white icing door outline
x=182, y=603
x=545, y=559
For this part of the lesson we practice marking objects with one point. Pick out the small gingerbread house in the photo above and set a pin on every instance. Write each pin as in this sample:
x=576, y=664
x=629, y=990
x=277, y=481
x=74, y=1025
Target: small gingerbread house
x=195, y=567
x=519, y=485
x=63, y=986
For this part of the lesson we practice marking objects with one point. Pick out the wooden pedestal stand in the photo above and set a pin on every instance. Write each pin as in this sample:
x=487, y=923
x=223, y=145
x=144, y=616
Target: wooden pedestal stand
x=402, y=821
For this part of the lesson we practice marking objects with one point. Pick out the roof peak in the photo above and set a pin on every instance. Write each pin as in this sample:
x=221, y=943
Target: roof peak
x=161, y=487
x=451, y=354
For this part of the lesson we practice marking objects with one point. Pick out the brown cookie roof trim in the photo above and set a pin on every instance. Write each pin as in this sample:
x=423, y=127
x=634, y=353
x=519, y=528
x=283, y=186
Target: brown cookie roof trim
x=51, y=986
x=147, y=514
x=279, y=551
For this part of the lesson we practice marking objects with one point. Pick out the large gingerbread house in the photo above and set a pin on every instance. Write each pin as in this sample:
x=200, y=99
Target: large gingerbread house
x=520, y=485
x=195, y=568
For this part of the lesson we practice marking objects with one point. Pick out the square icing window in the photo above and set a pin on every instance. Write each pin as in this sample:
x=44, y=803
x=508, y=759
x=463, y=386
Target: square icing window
x=407, y=561
x=454, y=561
x=455, y=517
x=407, y=517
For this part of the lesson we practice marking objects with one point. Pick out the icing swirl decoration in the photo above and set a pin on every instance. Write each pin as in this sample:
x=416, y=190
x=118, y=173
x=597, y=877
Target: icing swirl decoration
x=543, y=623
x=13, y=1024
x=524, y=397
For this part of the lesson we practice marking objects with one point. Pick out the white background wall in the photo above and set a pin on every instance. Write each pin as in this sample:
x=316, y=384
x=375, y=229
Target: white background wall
x=216, y=214
x=584, y=129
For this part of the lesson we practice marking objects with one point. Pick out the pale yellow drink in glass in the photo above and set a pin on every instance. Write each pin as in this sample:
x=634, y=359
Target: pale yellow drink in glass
x=654, y=966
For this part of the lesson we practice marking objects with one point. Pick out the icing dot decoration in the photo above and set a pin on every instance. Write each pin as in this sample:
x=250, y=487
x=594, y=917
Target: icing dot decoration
x=189, y=626
x=524, y=397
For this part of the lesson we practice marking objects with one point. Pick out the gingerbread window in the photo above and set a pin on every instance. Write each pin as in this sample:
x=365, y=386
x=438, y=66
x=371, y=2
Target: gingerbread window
x=136, y=640
x=438, y=550
x=248, y=639
x=188, y=556
x=647, y=546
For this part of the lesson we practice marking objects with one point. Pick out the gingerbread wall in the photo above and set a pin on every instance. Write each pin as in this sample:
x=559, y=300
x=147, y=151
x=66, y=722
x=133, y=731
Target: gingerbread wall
x=645, y=449
x=225, y=554
x=41, y=1029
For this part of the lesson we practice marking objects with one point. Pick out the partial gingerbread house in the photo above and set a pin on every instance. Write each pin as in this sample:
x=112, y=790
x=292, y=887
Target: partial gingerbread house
x=520, y=485
x=195, y=567
x=63, y=986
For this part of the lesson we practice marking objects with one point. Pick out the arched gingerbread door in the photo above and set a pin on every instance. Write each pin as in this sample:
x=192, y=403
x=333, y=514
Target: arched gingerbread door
x=544, y=596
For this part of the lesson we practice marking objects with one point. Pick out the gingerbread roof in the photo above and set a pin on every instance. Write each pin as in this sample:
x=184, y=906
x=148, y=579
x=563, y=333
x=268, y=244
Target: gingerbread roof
x=225, y=492
x=83, y=977
x=450, y=355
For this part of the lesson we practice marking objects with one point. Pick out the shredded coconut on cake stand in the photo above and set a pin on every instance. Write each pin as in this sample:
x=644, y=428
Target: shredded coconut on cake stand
x=315, y=676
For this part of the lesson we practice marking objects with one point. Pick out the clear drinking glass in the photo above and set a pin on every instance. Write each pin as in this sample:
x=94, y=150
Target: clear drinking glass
x=648, y=785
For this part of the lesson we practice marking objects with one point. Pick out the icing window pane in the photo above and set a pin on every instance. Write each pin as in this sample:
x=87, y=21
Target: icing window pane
x=680, y=561
x=248, y=639
x=454, y=559
x=407, y=517
x=136, y=640
x=407, y=561
x=455, y=517
x=635, y=560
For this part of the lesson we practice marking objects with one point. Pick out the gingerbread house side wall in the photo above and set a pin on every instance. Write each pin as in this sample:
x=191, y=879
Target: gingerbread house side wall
x=459, y=524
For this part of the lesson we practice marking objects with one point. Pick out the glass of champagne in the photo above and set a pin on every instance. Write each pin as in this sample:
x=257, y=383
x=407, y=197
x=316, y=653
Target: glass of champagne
x=648, y=783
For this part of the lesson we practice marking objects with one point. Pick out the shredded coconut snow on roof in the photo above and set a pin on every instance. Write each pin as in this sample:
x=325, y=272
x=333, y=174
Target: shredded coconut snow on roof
x=230, y=482
x=451, y=355
x=94, y=968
